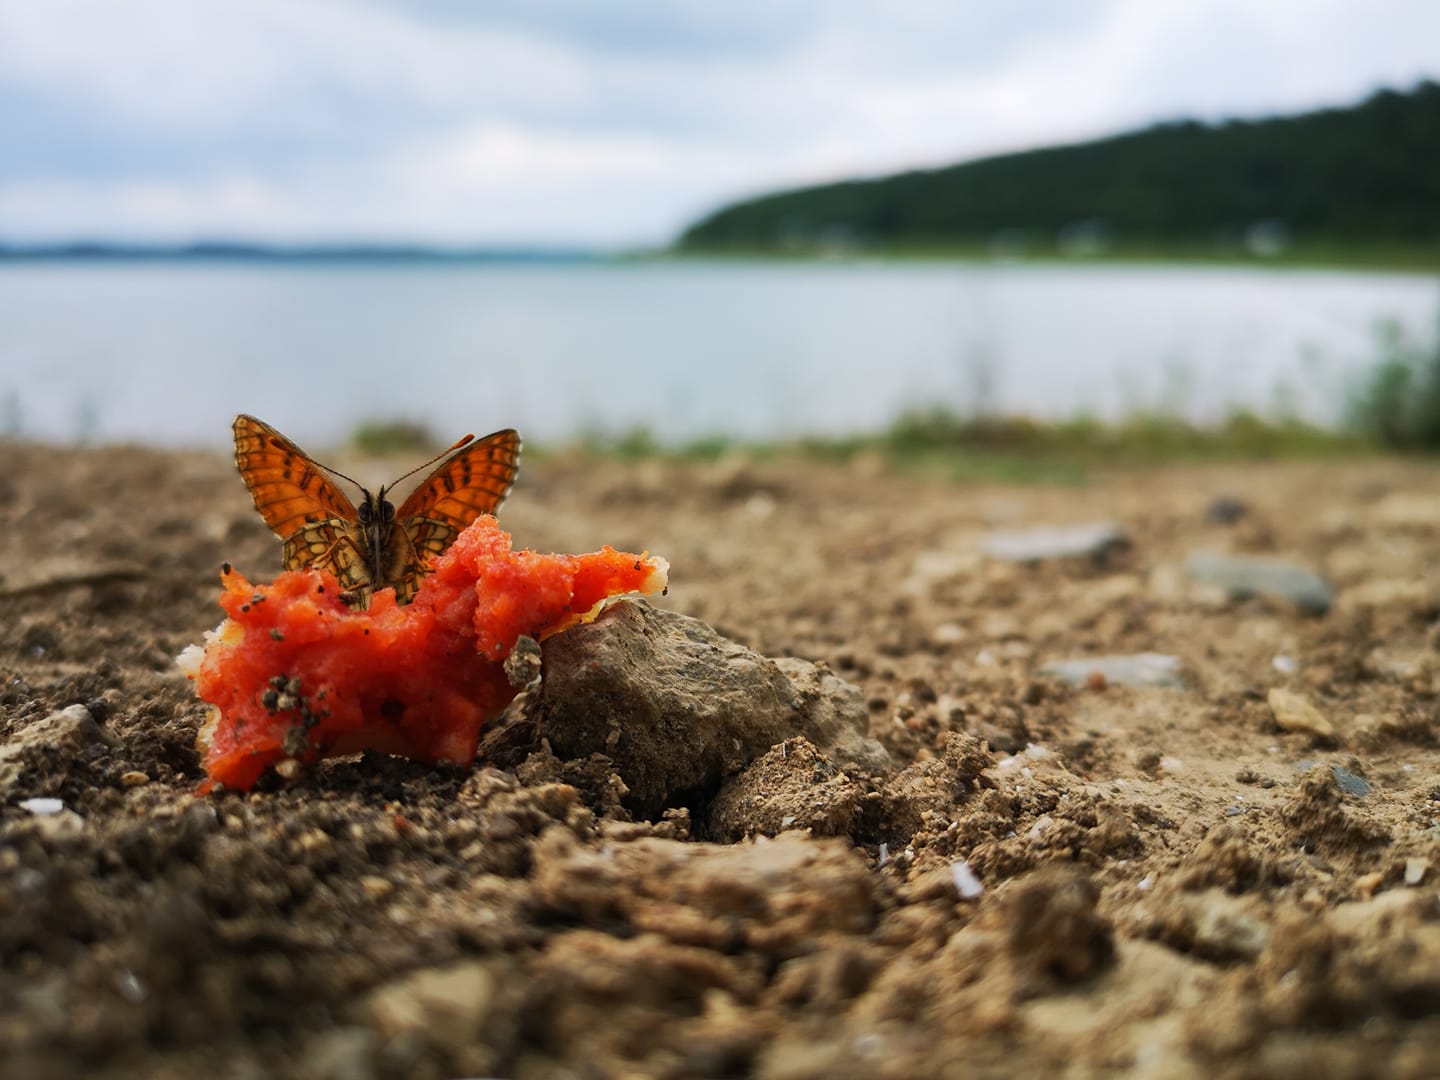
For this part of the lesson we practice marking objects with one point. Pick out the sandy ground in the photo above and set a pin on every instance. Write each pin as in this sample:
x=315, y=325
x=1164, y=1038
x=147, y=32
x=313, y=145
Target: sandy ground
x=1052, y=880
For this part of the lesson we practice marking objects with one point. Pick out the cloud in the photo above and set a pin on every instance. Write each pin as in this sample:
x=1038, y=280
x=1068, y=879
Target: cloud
x=519, y=120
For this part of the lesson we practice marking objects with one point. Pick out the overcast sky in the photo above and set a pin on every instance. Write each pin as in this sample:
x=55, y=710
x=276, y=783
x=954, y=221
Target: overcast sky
x=605, y=123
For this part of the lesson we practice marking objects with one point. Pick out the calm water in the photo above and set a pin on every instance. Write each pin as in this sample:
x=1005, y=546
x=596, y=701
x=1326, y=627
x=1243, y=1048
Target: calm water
x=170, y=352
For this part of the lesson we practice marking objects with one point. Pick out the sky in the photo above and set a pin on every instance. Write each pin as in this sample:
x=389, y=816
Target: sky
x=614, y=124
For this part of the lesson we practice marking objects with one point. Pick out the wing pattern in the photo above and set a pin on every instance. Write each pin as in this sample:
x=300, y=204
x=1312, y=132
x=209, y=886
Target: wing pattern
x=321, y=528
x=472, y=481
x=288, y=486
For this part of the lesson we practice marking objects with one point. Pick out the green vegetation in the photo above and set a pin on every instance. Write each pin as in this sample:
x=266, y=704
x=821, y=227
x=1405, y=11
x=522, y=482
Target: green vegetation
x=1353, y=186
x=383, y=438
x=1397, y=406
x=1003, y=448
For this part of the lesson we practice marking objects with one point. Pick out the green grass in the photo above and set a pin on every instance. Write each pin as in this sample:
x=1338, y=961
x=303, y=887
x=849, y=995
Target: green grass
x=1398, y=404
x=1012, y=449
x=1378, y=257
x=384, y=438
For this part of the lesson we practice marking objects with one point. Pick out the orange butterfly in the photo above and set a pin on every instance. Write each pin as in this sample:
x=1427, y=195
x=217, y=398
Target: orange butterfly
x=376, y=546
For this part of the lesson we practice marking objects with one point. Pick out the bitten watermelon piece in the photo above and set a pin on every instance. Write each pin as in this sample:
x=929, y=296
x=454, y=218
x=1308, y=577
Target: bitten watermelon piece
x=293, y=672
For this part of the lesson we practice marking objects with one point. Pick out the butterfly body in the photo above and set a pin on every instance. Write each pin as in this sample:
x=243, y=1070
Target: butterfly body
x=376, y=545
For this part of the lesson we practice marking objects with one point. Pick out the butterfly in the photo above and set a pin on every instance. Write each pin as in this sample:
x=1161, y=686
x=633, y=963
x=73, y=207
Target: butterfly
x=375, y=546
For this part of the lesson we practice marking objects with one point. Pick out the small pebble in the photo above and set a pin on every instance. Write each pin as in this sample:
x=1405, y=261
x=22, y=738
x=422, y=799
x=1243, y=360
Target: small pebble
x=1415, y=870
x=1093, y=540
x=375, y=887
x=967, y=885
x=1351, y=783
x=1098, y=672
x=43, y=807
x=134, y=778
x=1367, y=884
x=1295, y=713
x=1242, y=576
x=1225, y=510
x=130, y=987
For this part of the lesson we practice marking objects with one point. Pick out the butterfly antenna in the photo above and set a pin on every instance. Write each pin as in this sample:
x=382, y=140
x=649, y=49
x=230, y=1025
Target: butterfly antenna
x=336, y=472
x=426, y=464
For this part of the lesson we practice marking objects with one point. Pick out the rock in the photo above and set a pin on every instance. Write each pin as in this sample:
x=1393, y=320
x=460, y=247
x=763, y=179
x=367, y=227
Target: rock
x=1407, y=510
x=836, y=719
x=1351, y=783
x=677, y=708
x=58, y=826
x=1225, y=510
x=1095, y=540
x=1242, y=576
x=1415, y=870
x=1138, y=669
x=1055, y=931
x=1213, y=924
x=68, y=731
x=792, y=894
x=341, y=1053
x=967, y=885
x=1403, y=594
x=1295, y=713
x=43, y=807
x=448, y=1005
x=931, y=568
x=792, y=786
x=72, y=728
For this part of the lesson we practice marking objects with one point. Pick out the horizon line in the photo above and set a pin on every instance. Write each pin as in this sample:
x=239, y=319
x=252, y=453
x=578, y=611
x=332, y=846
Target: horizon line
x=260, y=250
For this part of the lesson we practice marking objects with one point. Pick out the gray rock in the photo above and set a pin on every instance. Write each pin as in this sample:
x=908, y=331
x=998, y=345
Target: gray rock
x=1138, y=669
x=1351, y=783
x=1242, y=576
x=1225, y=510
x=1096, y=540
x=1348, y=782
x=836, y=719
x=677, y=708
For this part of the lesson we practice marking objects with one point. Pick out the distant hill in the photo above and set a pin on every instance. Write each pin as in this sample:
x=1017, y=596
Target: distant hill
x=1363, y=177
x=243, y=251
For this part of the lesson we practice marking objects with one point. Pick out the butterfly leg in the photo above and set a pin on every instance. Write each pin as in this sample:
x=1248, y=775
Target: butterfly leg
x=331, y=545
x=407, y=571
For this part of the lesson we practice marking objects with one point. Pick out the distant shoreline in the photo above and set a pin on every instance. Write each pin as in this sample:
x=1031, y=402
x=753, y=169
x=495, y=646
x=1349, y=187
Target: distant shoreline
x=1382, y=258
x=208, y=251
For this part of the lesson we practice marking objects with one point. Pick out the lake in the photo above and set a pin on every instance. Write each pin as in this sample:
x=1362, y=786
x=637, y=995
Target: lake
x=168, y=352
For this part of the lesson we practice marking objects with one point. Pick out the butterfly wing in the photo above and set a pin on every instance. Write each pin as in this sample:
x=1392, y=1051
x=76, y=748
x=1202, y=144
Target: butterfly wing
x=299, y=502
x=472, y=481
x=336, y=545
x=289, y=487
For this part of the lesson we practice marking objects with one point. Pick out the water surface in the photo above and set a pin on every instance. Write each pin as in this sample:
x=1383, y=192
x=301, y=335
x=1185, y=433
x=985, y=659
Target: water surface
x=169, y=352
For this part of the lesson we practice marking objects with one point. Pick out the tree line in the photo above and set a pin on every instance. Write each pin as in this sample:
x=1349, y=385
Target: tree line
x=1367, y=174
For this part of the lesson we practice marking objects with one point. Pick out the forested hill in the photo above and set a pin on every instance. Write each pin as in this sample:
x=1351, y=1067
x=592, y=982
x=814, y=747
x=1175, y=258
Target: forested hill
x=1362, y=177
